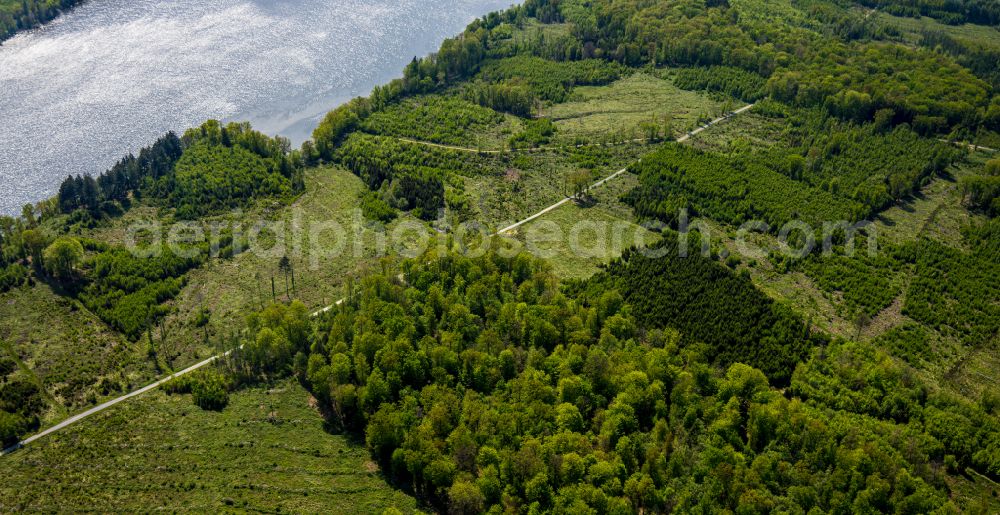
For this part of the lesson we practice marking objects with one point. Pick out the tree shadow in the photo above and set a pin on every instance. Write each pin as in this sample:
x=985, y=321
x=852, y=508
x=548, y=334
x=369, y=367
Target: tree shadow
x=585, y=201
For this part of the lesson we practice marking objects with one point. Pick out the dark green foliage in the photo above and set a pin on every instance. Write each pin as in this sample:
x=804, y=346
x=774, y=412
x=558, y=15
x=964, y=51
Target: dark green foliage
x=209, y=389
x=535, y=134
x=550, y=80
x=420, y=190
x=957, y=12
x=909, y=342
x=412, y=174
x=21, y=403
x=734, y=82
x=122, y=180
x=376, y=159
x=225, y=167
x=212, y=168
x=12, y=426
x=868, y=284
x=18, y=15
x=12, y=276
x=516, y=99
x=127, y=291
x=676, y=177
x=447, y=120
x=374, y=208
x=984, y=239
x=953, y=291
x=7, y=366
x=872, y=164
x=708, y=303
x=21, y=397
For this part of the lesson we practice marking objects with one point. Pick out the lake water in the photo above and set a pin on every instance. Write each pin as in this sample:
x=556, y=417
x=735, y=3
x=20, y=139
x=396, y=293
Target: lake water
x=111, y=76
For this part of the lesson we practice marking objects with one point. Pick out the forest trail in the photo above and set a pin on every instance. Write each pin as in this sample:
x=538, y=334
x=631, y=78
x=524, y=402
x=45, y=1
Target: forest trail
x=152, y=386
x=611, y=177
x=470, y=150
x=101, y=407
x=528, y=149
x=970, y=146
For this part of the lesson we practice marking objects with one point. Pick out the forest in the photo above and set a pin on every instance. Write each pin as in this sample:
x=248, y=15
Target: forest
x=681, y=293
x=483, y=385
x=407, y=176
x=715, y=382
x=735, y=82
x=18, y=15
x=982, y=12
x=676, y=177
x=210, y=169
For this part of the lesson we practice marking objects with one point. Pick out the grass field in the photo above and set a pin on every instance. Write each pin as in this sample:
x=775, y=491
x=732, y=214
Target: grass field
x=230, y=289
x=750, y=130
x=590, y=233
x=70, y=353
x=524, y=183
x=78, y=360
x=266, y=452
x=936, y=212
x=596, y=113
x=977, y=35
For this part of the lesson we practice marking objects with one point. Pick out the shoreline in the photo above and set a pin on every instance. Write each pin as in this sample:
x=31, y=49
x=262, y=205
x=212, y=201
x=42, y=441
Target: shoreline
x=10, y=33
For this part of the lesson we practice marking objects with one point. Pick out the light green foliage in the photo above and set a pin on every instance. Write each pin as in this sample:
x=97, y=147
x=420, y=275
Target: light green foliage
x=127, y=291
x=587, y=416
x=550, y=80
x=266, y=450
x=857, y=378
x=448, y=120
x=62, y=256
x=225, y=167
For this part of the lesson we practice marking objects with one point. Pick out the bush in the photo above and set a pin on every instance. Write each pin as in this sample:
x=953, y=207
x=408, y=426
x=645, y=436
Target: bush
x=12, y=427
x=374, y=208
x=734, y=82
x=209, y=392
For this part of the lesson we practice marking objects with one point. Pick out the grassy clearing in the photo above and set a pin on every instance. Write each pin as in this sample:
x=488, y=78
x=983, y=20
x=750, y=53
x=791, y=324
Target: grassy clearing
x=267, y=451
x=232, y=288
x=936, y=212
x=975, y=492
x=69, y=352
x=749, y=130
x=519, y=185
x=227, y=290
x=590, y=233
x=617, y=110
x=974, y=371
x=912, y=28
